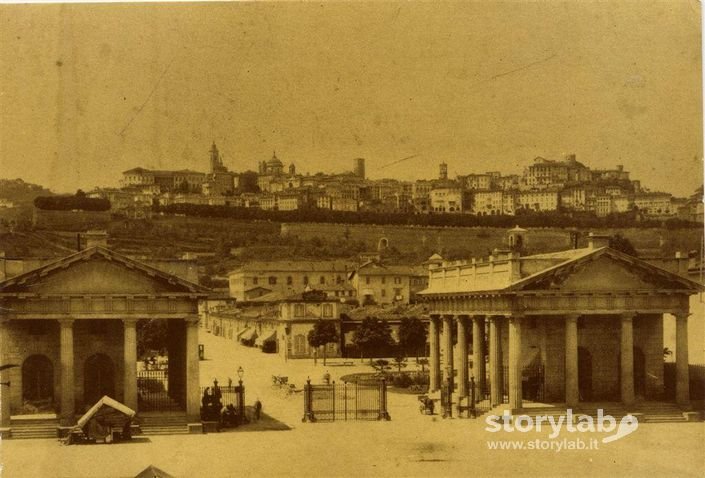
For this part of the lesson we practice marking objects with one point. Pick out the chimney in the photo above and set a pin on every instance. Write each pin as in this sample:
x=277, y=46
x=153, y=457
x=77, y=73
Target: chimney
x=96, y=238
x=596, y=241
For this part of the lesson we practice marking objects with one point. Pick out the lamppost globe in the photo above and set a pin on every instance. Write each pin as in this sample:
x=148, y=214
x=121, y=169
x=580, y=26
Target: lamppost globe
x=240, y=373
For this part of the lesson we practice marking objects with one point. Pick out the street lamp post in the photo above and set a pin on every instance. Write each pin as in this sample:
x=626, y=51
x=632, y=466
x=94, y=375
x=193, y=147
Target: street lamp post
x=241, y=395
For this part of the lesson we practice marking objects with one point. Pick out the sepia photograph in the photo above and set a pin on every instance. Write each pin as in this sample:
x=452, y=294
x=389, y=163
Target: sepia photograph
x=352, y=239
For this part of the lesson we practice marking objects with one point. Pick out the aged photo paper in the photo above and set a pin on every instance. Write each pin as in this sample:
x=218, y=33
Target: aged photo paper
x=351, y=239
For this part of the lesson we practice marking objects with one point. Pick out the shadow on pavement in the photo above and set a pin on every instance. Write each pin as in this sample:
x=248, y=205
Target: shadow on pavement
x=265, y=423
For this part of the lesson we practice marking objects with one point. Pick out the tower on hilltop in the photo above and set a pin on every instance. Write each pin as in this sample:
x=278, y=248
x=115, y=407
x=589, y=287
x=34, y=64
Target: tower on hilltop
x=443, y=171
x=360, y=168
x=216, y=160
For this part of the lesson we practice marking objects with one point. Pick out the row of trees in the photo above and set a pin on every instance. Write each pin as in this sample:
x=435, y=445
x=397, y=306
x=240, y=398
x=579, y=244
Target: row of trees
x=526, y=219
x=373, y=335
x=78, y=201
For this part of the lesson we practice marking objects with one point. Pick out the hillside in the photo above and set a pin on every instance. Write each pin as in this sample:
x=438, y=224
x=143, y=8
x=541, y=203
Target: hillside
x=20, y=192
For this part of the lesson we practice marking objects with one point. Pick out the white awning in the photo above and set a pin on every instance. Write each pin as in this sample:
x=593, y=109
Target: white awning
x=106, y=401
x=249, y=334
x=239, y=334
x=266, y=337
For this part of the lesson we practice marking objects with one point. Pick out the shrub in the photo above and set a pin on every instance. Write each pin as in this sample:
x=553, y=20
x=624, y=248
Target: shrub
x=402, y=381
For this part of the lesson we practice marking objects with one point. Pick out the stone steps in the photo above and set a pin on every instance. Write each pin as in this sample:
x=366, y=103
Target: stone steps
x=648, y=413
x=164, y=424
x=29, y=429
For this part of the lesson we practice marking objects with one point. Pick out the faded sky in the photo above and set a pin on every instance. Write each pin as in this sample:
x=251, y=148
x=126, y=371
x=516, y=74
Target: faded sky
x=87, y=91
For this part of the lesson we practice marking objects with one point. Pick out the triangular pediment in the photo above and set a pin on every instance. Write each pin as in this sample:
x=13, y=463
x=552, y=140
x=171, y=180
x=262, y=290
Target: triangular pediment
x=98, y=271
x=607, y=271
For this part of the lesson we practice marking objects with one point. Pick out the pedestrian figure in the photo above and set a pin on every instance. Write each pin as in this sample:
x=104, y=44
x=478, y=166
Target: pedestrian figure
x=217, y=395
x=258, y=409
x=326, y=378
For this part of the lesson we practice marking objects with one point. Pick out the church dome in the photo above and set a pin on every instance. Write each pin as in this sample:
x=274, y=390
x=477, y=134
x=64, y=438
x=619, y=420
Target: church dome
x=275, y=162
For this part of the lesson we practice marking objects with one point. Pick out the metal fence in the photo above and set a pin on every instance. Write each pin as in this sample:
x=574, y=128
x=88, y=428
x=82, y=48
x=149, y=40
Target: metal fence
x=230, y=395
x=153, y=391
x=346, y=401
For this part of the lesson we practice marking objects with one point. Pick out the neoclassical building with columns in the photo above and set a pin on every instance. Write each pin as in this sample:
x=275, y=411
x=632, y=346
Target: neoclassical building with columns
x=71, y=328
x=581, y=325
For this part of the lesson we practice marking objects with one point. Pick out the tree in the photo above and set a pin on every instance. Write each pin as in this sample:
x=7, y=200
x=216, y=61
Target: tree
x=622, y=244
x=412, y=335
x=381, y=366
x=372, y=334
x=400, y=362
x=151, y=335
x=323, y=333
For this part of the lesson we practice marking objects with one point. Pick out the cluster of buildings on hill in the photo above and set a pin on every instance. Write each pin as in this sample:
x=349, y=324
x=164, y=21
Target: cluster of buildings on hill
x=545, y=186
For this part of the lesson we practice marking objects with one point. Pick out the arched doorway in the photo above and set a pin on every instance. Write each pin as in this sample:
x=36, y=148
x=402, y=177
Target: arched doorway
x=38, y=380
x=639, y=373
x=584, y=374
x=98, y=378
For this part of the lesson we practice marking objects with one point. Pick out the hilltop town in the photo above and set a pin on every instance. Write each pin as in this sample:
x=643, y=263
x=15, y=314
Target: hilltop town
x=545, y=186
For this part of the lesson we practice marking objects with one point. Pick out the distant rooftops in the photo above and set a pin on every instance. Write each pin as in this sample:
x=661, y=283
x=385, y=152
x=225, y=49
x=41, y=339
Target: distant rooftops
x=295, y=266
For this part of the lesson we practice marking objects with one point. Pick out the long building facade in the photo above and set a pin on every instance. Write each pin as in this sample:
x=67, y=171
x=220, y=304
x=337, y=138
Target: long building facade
x=590, y=319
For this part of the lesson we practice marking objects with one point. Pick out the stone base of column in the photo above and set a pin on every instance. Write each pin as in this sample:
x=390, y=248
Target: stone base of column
x=5, y=433
x=195, y=428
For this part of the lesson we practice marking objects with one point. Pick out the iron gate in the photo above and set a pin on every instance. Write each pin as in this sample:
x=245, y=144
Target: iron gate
x=153, y=391
x=345, y=401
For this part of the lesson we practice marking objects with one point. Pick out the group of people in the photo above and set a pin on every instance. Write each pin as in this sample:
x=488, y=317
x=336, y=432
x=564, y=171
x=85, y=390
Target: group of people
x=212, y=404
x=212, y=408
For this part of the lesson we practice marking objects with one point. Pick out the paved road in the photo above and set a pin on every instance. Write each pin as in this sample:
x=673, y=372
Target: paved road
x=409, y=445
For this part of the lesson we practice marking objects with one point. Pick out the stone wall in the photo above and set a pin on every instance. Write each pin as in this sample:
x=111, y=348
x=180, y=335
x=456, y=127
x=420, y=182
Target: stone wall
x=89, y=339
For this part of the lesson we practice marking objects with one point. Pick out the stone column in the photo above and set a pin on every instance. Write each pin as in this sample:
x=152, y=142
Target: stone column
x=448, y=350
x=68, y=401
x=478, y=353
x=572, y=391
x=130, y=362
x=515, y=381
x=463, y=351
x=434, y=361
x=495, y=363
x=682, y=378
x=5, y=401
x=193, y=391
x=626, y=365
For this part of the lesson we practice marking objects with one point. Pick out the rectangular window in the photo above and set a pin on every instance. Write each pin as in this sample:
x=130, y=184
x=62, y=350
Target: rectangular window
x=384, y=293
x=384, y=280
x=367, y=280
x=299, y=310
x=327, y=310
x=289, y=280
x=254, y=280
x=272, y=280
